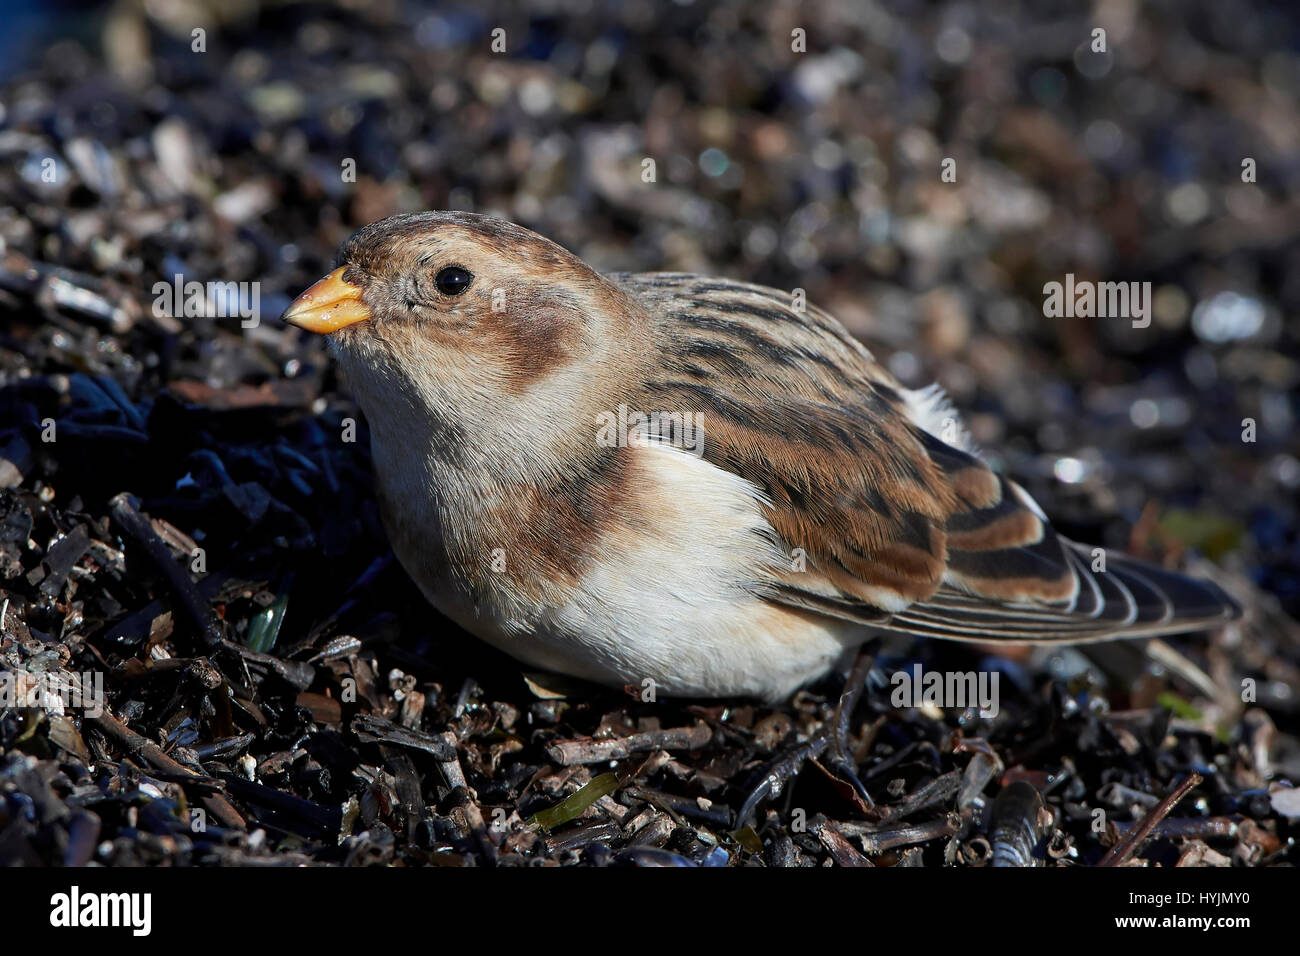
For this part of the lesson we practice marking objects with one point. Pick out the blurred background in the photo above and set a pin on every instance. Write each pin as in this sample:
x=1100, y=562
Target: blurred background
x=795, y=144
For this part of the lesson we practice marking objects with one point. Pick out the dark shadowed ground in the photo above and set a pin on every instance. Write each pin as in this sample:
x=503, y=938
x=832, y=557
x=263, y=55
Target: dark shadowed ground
x=291, y=683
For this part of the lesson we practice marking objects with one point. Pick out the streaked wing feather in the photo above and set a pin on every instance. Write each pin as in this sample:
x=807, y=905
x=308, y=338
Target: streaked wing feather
x=900, y=530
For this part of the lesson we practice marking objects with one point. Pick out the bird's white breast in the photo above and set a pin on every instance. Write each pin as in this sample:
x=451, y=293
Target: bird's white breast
x=668, y=599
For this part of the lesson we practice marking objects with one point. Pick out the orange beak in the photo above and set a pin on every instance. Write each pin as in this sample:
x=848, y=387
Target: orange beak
x=329, y=305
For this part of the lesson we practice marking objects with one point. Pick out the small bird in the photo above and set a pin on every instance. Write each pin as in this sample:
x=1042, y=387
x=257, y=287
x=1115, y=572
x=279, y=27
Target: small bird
x=683, y=482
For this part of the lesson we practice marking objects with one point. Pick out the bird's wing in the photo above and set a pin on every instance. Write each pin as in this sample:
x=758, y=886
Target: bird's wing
x=886, y=523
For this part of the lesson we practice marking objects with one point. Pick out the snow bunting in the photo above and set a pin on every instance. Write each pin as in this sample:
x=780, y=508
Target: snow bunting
x=684, y=480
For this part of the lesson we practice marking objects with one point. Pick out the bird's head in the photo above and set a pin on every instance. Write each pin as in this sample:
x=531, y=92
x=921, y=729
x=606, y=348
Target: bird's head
x=469, y=319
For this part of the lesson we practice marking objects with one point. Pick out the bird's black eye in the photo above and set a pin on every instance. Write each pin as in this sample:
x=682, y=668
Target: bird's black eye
x=453, y=280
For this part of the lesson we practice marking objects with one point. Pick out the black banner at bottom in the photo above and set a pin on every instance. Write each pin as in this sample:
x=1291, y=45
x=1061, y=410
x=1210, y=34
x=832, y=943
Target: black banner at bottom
x=367, y=906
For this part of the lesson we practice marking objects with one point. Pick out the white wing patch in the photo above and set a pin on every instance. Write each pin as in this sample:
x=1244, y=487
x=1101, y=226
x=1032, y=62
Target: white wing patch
x=930, y=409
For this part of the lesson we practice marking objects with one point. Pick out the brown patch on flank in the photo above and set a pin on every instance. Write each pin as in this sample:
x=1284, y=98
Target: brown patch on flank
x=556, y=529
